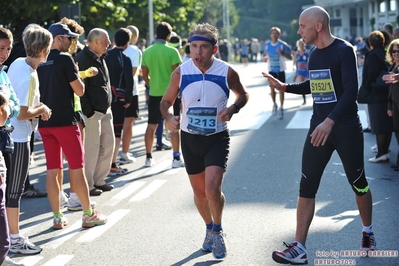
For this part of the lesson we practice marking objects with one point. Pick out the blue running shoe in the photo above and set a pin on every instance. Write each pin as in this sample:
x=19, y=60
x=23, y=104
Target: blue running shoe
x=219, y=246
x=208, y=242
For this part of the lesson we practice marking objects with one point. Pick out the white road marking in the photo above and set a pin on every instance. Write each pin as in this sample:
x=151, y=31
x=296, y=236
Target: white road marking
x=250, y=122
x=160, y=166
x=173, y=171
x=130, y=176
x=255, y=113
x=65, y=234
x=148, y=190
x=35, y=222
x=97, y=231
x=124, y=193
x=59, y=260
x=301, y=119
x=30, y=260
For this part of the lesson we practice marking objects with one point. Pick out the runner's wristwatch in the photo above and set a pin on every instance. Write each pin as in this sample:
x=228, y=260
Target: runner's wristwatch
x=237, y=107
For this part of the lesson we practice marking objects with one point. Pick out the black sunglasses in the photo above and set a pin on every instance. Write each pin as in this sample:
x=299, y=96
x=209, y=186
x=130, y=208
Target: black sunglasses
x=69, y=37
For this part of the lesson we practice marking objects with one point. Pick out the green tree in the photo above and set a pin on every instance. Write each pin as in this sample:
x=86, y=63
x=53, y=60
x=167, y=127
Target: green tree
x=94, y=13
x=16, y=15
x=107, y=14
x=181, y=14
x=258, y=16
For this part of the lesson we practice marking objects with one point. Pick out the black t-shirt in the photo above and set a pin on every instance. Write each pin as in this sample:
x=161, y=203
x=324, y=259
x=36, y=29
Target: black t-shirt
x=55, y=91
x=223, y=49
x=333, y=72
x=120, y=72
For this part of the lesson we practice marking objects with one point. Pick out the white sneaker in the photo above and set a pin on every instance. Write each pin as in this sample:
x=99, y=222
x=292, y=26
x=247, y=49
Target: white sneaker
x=64, y=200
x=125, y=158
x=167, y=135
x=74, y=205
x=368, y=241
x=149, y=162
x=274, y=110
x=280, y=113
x=24, y=246
x=166, y=142
x=177, y=163
x=9, y=262
x=292, y=255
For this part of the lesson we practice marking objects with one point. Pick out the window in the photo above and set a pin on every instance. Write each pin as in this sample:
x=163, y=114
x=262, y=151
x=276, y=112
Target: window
x=337, y=13
x=392, y=5
x=382, y=7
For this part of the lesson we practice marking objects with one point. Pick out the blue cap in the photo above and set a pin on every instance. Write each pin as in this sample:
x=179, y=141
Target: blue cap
x=61, y=29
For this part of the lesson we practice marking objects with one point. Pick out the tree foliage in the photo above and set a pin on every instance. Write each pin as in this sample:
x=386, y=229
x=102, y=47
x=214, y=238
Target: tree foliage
x=248, y=18
x=16, y=15
x=258, y=16
x=107, y=14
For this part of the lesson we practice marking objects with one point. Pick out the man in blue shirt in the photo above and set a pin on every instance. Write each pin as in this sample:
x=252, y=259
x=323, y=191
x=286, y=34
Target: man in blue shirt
x=276, y=52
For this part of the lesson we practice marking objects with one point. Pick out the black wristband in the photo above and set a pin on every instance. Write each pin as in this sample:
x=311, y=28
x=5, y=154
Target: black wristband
x=237, y=107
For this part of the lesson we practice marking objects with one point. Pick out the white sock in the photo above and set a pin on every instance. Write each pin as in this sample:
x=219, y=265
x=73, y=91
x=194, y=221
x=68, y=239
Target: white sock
x=368, y=229
x=14, y=238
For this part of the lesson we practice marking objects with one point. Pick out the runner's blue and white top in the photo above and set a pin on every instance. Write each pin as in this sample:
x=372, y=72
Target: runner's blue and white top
x=202, y=97
x=276, y=62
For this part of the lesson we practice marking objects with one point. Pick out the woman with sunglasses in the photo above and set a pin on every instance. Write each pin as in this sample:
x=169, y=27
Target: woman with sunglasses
x=393, y=96
x=381, y=124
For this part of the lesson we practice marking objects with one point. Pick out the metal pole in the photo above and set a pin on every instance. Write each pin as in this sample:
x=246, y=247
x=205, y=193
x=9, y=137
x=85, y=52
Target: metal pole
x=150, y=23
x=226, y=24
x=228, y=20
x=224, y=13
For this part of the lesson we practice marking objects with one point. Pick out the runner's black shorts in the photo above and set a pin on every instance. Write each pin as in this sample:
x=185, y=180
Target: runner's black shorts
x=154, y=113
x=279, y=75
x=133, y=109
x=200, y=151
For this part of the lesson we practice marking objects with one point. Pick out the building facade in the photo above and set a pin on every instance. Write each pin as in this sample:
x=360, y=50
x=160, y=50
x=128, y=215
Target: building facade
x=354, y=18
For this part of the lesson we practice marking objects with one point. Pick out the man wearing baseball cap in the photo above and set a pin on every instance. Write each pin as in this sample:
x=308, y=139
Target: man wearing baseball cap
x=59, y=80
x=62, y=30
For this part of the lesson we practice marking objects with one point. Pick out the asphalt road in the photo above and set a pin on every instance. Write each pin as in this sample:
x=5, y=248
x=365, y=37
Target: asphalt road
x=153, y=220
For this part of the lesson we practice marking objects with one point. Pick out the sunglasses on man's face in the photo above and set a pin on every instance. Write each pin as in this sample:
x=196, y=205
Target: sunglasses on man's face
x=395, y=51
x=69, y=37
